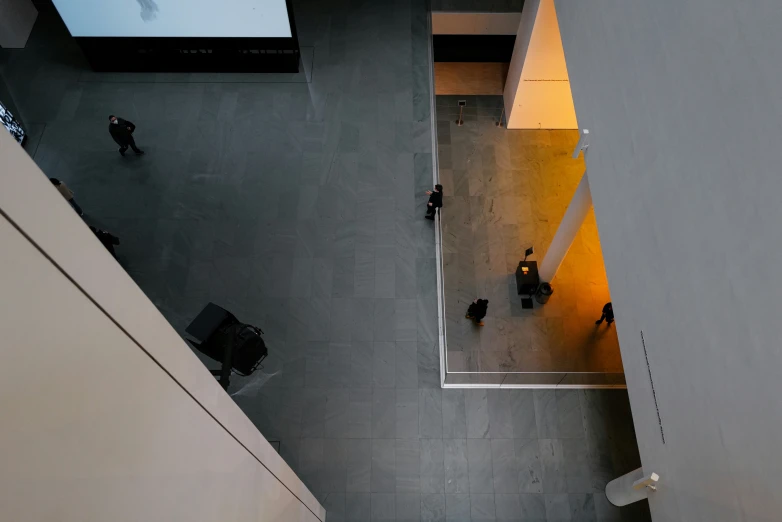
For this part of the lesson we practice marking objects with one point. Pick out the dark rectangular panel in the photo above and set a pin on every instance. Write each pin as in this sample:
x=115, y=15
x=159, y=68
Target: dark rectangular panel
x=473, y=48
x=192, y=54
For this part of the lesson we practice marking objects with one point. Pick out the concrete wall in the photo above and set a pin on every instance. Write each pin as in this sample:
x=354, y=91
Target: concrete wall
x=537, y=92
x=17, y=18
x=682, y=100
x=107, y=414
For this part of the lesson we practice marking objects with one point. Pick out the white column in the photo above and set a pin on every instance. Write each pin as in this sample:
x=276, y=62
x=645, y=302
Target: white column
x=537, y=91
x=571, y=223
x=630, y=487
x=16, y=22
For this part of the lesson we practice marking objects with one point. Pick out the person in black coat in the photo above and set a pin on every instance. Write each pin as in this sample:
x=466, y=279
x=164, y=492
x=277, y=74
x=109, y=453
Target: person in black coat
x=608, y=314
x=435, y=201
x=107, y=239
x=122, y=133
x=477, y=311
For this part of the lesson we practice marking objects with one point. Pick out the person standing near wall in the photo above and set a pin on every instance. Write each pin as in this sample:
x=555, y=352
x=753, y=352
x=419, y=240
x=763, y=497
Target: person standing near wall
x=67, y=193
x=435, y=201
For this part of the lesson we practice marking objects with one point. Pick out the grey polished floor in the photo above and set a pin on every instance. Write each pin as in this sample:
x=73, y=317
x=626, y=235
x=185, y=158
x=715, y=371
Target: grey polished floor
x=297, y=203
x=508, y=190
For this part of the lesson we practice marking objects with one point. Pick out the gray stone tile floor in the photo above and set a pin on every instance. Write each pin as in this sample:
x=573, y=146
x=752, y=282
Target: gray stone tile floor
x=299, y=206
x=506, y=190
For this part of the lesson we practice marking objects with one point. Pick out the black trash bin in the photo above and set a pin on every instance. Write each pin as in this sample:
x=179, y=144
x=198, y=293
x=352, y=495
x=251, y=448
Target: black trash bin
x=543, y=293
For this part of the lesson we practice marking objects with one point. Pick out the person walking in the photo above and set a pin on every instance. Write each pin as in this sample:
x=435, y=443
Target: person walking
x=477, y=311
x=67, y=193
x=435, y=201
x=608, y=314
x=122, y=133
x=107, y=239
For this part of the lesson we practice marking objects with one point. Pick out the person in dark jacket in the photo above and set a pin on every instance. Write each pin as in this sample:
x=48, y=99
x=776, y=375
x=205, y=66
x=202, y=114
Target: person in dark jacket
x=477, y=311
x=608, y=314
x=122, y=133
x=435, y=201
x=107, y=239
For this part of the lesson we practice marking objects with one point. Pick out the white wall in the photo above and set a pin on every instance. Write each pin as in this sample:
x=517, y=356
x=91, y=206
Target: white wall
x=520, y=47
x=537, y=92
x=682, y=100
x=107, y=414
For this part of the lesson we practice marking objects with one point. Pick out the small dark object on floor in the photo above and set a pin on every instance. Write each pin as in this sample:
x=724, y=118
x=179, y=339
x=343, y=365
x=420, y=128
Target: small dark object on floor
x=526, y=303
x=527, y=279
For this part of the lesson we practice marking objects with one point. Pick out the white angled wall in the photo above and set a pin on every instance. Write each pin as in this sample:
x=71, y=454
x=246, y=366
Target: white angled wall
x=106, y=413
x=537, y=91
x=684, y=108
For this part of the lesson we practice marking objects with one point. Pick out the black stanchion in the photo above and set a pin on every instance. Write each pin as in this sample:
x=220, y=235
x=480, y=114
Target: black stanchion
x=460, y=121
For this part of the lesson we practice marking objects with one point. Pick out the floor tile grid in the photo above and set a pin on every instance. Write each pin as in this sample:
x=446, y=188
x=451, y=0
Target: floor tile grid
x=508, y=188
x=526, y=456
x=217, y=210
